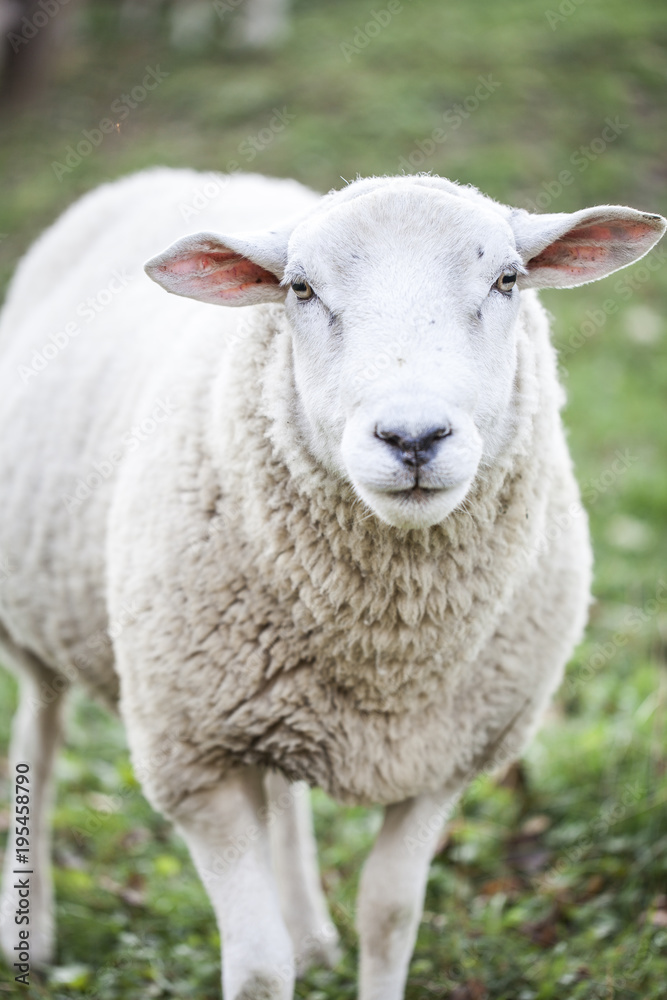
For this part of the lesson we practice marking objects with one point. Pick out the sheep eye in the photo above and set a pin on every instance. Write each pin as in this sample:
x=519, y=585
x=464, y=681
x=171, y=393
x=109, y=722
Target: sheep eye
x=506, y=281
x=302, y=290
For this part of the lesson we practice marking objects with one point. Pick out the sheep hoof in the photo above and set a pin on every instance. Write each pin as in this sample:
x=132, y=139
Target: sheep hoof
x=260, y=987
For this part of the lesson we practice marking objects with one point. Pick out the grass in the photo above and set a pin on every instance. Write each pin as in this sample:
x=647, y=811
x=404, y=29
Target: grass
x=553, y=886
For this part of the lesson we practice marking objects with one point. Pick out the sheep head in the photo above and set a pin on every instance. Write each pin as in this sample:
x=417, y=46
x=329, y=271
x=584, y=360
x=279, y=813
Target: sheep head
x=403, y=299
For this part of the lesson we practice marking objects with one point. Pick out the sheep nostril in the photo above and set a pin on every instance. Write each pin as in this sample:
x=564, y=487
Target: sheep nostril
x=442, y=432
x=415, y=451
x=391, y=437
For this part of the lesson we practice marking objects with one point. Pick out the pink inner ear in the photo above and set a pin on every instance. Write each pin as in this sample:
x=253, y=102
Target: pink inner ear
x=568, y=257
x=216, y=275
x=621, y=232
x=586, y=250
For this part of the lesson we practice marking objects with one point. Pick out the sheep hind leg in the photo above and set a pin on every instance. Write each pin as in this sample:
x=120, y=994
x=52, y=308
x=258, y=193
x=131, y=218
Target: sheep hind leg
x=391, y=893
x=226, y=830
x=294, y=855
x=36, y=737
x=261, y=23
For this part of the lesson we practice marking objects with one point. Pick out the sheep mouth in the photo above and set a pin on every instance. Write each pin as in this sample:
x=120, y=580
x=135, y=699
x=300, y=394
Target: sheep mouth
x=417, y=493
x=417, y=506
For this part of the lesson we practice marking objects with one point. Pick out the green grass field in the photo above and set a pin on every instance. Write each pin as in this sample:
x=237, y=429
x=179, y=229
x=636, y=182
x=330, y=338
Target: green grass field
x=554, y=886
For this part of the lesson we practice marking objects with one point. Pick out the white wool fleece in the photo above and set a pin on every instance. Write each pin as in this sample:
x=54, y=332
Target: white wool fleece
x=277, y=588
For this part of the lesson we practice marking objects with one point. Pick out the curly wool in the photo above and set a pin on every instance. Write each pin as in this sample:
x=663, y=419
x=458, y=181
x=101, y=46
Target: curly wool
x=249, y=606
x=304, y=634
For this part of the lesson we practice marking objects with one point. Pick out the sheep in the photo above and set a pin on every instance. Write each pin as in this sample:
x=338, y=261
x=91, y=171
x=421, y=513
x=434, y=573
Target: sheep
x=34, y=32
x=254, y=24
x=332, y=539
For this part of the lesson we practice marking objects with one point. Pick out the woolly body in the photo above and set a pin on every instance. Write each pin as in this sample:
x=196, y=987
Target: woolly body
x=261, y=616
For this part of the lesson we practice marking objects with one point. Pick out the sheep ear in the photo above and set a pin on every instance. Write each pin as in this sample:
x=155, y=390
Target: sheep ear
x=223, y=270
x=562, y=250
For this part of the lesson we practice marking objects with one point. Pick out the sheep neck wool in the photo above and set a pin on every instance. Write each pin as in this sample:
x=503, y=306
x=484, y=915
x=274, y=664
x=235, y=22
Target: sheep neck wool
x=387, y=617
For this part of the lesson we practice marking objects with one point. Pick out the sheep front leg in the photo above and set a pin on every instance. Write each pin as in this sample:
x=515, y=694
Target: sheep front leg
x=294, y=854
x=226, y=831
x=391, y=894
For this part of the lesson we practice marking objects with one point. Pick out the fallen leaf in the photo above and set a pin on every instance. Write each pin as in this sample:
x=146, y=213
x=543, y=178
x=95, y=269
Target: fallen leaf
x=136, y=880
x=136, y=838
x=508, y=884
x=534, y=826
x=524, y=850
x=515, y=778
x=133, y=895
x=593, y=887
x=543, y=932
x=474, y=989
x=530, y=861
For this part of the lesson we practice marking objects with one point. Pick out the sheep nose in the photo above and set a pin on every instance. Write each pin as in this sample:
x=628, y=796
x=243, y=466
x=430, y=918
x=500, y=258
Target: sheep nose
x=414, y=451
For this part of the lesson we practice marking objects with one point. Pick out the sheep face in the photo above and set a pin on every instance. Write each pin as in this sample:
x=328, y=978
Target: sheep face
x=402, y=297
x=403, y=310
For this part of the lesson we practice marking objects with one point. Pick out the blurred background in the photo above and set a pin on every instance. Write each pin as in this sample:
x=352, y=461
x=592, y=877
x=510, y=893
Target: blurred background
x=553, y=881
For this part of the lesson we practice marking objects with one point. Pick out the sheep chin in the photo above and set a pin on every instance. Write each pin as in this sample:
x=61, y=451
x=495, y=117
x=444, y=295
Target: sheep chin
x=416, y=508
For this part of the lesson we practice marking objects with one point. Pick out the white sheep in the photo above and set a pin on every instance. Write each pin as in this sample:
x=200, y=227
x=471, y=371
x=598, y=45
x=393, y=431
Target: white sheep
x=334, y=539
x=254, y=24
